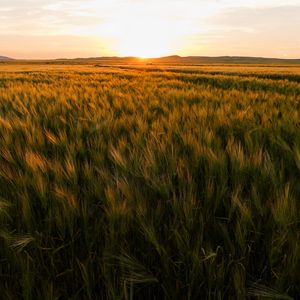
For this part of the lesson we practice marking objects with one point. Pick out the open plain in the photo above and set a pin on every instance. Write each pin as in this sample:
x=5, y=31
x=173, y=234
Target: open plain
x=149, y=181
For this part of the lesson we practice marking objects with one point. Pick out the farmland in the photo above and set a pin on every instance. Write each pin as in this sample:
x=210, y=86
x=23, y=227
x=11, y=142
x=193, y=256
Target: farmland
x=149, y=181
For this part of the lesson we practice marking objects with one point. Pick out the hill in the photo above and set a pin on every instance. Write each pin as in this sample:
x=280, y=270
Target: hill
x=224, y=60
x=5, y=58
x=169, y=60
x=195, y=60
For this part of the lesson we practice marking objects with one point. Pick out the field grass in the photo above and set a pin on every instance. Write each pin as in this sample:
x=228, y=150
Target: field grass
x=146, y=182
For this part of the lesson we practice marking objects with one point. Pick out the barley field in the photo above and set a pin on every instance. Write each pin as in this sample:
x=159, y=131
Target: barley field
x=149, y=182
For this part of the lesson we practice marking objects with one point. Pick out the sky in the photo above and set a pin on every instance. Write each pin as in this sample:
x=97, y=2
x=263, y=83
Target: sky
x=41, y=29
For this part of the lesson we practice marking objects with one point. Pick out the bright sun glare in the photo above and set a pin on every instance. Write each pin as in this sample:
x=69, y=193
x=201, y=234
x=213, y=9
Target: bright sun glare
x=144, y=37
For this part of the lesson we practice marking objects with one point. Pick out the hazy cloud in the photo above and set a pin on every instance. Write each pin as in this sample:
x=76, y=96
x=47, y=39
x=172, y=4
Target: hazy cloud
x=208, y=26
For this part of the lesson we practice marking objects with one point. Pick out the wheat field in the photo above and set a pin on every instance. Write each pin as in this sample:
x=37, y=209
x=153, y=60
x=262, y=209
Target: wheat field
x=149, y=182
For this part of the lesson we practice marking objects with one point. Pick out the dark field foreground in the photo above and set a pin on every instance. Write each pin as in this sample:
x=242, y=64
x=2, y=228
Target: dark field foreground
x=148, y=182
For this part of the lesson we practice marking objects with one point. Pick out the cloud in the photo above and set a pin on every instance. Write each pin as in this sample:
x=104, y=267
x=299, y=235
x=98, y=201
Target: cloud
x=43, y=47
x=204, y=25
x=47, y=17
x=282, y=17
x=265, y=31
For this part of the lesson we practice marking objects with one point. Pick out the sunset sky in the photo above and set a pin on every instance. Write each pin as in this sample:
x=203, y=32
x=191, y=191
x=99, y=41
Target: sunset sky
x=149, y=28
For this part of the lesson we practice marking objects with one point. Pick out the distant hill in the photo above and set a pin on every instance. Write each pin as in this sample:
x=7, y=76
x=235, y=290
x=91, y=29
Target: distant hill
x=5, y=58
x=173, y=59
x=195, y=60
x=224, y=60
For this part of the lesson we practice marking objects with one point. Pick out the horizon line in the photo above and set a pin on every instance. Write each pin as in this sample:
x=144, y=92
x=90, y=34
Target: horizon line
x=146, y=58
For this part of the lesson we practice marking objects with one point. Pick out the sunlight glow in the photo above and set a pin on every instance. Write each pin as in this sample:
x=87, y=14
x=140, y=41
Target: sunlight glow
x=145, y=37
x=144, y=28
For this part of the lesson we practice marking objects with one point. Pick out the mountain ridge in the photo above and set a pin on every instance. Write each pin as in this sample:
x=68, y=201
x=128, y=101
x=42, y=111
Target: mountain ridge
x=171, y=59
x=196, y=59
x=5, y=58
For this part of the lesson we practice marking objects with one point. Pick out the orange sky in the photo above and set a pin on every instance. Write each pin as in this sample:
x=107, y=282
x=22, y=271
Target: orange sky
x=84, y=28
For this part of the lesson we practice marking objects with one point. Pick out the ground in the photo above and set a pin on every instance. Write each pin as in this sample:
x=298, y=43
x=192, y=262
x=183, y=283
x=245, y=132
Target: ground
x=141, y=181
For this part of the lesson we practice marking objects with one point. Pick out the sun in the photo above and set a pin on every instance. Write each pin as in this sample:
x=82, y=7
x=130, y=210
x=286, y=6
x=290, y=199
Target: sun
x=143, y=45
x=144, y=36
